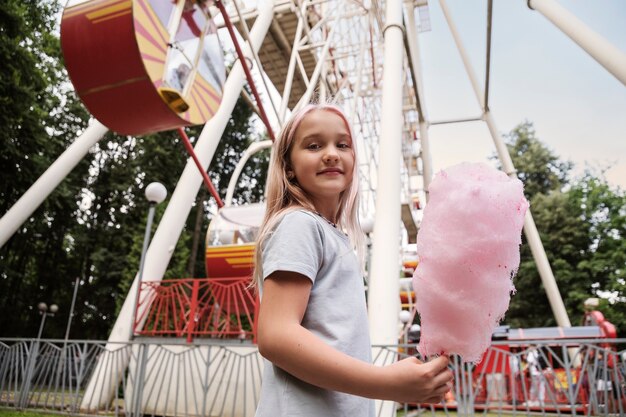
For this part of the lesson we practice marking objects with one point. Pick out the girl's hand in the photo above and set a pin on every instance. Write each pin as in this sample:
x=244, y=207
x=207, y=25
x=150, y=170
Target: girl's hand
x=282, y=340
x=410, y=380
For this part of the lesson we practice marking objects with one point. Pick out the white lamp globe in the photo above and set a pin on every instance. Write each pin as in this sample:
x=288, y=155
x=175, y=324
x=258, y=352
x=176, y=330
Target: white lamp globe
x=54, y=308
x=367, y=225
x=156, y=192
x=404, y=316
x=43, y=307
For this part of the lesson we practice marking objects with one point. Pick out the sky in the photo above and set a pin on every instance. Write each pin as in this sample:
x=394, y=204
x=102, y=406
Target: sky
x=538, y=74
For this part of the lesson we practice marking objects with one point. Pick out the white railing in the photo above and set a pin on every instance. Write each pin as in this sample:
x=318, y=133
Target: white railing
x=222, y=378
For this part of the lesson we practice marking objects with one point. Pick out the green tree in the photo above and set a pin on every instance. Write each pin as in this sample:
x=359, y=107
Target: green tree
x=544, y=176
x=40, y=116
x=538, y=167
x=111, y=218
x=604, y=212
x=564, y=236
x=581, y=223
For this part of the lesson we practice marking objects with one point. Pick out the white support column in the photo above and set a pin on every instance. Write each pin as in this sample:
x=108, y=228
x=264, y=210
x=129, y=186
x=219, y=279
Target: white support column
x=384, y=277
x=49, y=180
x=534, y=241
x=384, y=284
x=100, y=388
x=609, y=56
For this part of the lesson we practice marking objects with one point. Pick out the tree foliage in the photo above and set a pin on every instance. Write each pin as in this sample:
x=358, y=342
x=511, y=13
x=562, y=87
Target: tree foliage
x=538, y=168
x=92, y=225
x=604, y=213
x=39, y=116
x=582, y=223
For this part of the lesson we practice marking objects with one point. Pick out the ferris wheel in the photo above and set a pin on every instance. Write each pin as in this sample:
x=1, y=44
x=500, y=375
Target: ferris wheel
x=143, y=66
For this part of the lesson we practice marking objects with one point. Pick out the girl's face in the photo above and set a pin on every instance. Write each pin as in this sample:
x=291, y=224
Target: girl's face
x=322, y=158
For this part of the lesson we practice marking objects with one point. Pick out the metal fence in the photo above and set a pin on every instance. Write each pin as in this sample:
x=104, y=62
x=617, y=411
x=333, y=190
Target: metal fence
x=169, y=377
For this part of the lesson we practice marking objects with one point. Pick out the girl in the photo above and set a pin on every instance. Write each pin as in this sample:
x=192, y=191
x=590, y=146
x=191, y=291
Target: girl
x=312, y=322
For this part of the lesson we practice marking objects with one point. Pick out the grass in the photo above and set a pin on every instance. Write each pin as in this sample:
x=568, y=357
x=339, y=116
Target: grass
x=45, y=399
x=12, y=412
x=452, y=413
x=16, y=413
x=4, y=412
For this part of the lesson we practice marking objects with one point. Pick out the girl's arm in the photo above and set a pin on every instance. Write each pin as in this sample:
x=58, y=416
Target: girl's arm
x=283, y=341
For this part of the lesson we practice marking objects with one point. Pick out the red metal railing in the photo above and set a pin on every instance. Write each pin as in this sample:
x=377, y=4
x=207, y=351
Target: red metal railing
x=196, y=307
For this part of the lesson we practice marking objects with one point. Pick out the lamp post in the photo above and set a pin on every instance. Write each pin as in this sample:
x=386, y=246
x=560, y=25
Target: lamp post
x=45, y=311
x=71, y=315
x=62, y=366
x=415, y=330
x=155, y=194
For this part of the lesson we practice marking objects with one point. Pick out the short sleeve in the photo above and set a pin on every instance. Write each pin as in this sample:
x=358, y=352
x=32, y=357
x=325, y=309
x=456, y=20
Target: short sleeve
x=296, y=245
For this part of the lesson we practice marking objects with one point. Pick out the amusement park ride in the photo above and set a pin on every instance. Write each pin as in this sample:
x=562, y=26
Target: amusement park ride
x=143, y=66
x=120, y=61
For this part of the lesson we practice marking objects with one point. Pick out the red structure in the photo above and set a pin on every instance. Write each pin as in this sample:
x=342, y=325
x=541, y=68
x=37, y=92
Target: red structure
x=198, y=307
x=220, y=307
x=136, y=71
x=500, y=379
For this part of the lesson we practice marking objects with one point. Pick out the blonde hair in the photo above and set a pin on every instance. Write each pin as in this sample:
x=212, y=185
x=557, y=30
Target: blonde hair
x=284, y=196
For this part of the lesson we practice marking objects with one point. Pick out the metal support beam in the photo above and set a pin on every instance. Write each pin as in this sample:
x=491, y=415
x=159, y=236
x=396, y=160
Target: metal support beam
x=317, y=73
x=257, y=60
x=532, y=235
x=464, y=56
x=280, y=38
x=49, y=180
x=416, y=71
x=607, y=55
x=284, y=104
x=464, y=120
x=234, y=179
x=488, y=53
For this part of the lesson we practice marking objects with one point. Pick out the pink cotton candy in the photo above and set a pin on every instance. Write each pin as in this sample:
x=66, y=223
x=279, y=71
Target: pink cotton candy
x=468, y=248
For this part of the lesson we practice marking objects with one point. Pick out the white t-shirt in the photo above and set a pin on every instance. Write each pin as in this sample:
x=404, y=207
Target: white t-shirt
x=305, y=243
x=532, y=358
